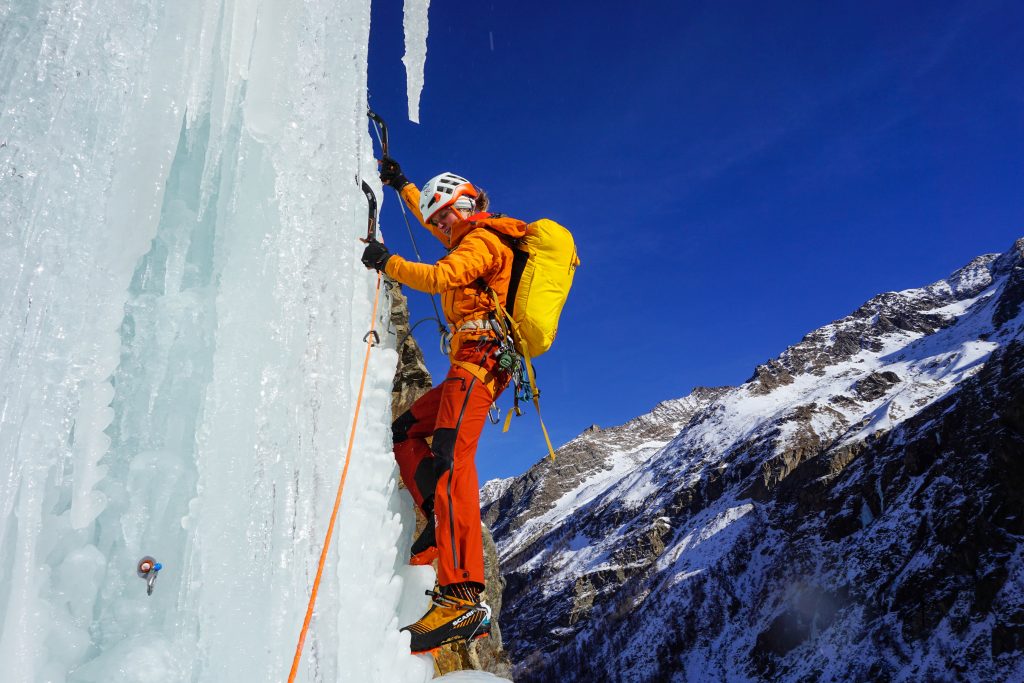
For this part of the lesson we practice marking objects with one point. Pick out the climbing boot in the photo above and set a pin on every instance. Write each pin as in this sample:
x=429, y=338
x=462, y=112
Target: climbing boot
x=450, y=619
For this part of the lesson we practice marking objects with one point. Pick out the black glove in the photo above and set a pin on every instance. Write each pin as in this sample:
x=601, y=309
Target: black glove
x=391, y=174
x=375, y=256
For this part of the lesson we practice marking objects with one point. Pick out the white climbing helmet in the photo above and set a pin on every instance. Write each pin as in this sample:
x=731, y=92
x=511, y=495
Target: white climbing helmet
x=447, y=190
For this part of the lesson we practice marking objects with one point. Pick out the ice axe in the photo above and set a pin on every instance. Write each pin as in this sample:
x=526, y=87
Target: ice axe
x=382, y=131
x=371, y=225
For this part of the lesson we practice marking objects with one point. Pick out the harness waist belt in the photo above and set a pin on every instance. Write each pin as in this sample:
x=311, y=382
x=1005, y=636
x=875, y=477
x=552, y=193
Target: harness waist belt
x=478, y=325
x=475, y=325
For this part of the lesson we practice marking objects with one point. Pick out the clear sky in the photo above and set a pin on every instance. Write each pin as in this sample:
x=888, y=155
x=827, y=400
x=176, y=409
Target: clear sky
x=736, y=174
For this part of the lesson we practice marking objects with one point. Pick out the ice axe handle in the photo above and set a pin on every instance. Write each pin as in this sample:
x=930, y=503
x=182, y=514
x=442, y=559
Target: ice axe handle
x=382, y=131
x=371, y=221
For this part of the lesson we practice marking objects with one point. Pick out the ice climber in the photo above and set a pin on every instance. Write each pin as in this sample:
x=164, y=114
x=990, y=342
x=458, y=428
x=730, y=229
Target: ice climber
x=441, y=474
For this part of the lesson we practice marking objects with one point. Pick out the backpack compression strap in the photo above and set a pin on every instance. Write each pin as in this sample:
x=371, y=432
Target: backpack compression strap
x=509, y=326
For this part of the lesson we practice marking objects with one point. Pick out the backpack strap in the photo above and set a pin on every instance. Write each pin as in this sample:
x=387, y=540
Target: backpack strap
x=510, y=328
x=511, y=242
x=519, y=259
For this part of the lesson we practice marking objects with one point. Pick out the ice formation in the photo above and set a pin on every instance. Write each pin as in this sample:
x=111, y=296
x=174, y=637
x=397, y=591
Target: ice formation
x=415, y=12
x=181, y=345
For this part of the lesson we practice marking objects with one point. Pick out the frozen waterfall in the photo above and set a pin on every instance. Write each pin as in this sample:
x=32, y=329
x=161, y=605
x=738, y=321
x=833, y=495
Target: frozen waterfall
x=181, y=345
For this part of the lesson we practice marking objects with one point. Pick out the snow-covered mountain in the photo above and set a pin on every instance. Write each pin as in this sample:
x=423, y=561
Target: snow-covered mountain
x=852, y=512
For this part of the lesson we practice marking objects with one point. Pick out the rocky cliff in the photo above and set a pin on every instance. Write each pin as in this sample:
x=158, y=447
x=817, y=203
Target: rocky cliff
x=852, y=512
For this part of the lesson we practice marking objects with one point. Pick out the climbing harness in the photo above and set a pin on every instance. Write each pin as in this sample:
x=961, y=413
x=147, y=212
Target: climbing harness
x=147, y=569
x=371, y=339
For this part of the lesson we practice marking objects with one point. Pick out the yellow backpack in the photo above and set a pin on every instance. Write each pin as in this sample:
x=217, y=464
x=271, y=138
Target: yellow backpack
x=544, y=263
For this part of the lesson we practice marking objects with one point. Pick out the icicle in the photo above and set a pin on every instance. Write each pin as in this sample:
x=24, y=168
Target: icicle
x=415, y=53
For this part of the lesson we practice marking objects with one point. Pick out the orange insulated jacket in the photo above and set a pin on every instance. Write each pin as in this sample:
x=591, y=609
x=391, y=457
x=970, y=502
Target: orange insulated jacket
x=474, y=253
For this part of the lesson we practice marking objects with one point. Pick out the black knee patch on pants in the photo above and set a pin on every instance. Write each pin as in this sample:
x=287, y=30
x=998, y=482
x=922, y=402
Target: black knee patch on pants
x=426, y=481
x=400, y=427
x=443, y=448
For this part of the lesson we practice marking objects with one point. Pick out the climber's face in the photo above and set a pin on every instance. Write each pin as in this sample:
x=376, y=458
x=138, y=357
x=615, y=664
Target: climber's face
x=445, y=219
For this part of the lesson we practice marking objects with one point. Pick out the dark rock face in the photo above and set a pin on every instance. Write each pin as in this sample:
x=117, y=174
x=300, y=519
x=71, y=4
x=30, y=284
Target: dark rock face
x=853, y=512
x=1013, y=294
x=875, y=385
x=412, y=378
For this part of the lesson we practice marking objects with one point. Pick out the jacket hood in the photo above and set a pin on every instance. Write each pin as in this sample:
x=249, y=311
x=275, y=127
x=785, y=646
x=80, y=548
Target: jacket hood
x=504, y=225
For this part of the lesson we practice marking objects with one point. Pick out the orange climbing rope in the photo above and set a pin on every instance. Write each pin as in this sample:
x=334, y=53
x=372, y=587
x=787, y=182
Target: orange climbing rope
x=341, y=486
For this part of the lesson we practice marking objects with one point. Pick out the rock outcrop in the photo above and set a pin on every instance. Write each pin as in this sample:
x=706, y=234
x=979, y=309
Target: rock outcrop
x=412, y=378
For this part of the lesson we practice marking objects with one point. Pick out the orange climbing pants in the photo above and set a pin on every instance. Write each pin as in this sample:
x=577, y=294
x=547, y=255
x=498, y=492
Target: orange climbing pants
x=442, y=475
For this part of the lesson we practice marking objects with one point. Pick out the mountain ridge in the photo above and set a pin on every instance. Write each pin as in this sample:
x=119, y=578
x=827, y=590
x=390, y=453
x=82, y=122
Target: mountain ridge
x=672, y=501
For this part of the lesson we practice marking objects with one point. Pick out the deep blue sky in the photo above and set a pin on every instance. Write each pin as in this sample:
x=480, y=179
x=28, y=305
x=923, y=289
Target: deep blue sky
x=736, y=174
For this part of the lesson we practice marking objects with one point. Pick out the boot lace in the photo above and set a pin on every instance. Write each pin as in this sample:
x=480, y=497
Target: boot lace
x=449, y=601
